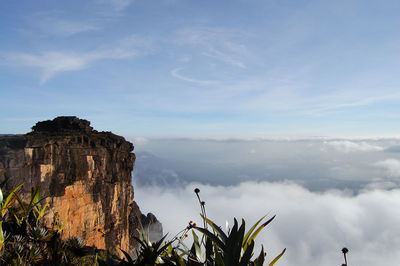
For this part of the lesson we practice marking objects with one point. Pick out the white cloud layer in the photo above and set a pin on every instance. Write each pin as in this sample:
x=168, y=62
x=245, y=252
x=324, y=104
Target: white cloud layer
x=351, y=146
x=392, y=167
x=312, y=226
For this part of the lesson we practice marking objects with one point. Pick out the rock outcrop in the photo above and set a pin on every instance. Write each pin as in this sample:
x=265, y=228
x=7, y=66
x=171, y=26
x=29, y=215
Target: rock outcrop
x=85, y=176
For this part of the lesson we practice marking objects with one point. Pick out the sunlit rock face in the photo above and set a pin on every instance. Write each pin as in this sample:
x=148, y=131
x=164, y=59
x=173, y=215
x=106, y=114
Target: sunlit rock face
x=85, y=175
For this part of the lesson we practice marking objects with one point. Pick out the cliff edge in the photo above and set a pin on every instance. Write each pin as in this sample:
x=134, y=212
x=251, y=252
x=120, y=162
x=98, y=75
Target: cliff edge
x=85, y=176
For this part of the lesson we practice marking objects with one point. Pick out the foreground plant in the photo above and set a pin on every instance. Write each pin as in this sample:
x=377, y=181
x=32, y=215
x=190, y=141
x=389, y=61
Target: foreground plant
x=24, y=237
x=213, y=247
x=344, y=251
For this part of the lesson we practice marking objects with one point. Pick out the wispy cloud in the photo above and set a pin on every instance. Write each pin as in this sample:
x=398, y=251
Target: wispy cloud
x=63, y=27
x=224, y=57
x=358, y=98
x=117, y=5
x=176, y=73
x=50, y=63
x=221, y=44
x=281, y=95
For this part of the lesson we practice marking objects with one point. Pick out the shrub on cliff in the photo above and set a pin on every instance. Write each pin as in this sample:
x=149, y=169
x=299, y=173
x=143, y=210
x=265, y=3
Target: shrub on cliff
x=24, y=238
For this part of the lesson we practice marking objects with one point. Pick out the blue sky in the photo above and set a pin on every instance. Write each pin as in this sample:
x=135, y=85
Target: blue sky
x=173, y=68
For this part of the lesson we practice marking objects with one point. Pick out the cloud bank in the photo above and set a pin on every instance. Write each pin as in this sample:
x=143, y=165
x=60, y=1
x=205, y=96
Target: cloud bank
x=327, y=193
x=392, y=167
x=312, y=226
x=316, y=164
x=351, y=146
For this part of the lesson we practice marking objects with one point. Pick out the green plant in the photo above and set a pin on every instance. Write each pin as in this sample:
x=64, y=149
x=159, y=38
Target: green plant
x=214, y=247
x=234, y=247
x=148, y=253
x=25, y=239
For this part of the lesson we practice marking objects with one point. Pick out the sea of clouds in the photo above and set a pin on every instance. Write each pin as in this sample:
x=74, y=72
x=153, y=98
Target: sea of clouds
x=326, y=194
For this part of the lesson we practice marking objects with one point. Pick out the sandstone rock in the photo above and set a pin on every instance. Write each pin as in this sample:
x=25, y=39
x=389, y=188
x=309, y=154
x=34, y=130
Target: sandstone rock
x=148, y=224
x=85, y=175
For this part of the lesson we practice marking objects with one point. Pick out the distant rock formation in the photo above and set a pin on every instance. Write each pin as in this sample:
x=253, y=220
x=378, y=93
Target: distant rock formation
x=85, y=175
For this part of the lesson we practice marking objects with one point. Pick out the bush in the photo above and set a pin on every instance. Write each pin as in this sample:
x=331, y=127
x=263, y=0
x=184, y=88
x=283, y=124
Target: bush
x=213, y=247
x=24, y=238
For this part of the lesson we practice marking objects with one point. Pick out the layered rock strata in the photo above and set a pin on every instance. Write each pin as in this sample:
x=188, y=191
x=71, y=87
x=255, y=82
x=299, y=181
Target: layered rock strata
x=85, y=176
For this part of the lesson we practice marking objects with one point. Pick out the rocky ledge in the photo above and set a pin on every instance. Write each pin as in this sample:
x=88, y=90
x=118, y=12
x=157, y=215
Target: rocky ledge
x=85, y=176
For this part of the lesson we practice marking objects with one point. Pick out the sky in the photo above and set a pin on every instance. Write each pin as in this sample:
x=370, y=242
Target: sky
x=175, y=68
x=285, y=107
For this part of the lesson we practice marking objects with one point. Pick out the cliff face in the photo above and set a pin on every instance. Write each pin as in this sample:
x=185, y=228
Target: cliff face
x=85, y=175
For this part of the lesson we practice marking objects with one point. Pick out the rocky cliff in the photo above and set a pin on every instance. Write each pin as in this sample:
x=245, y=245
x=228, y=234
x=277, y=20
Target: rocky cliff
x=85, y=175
